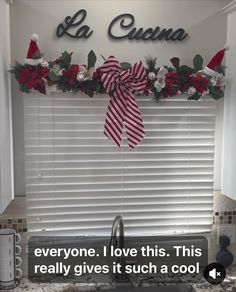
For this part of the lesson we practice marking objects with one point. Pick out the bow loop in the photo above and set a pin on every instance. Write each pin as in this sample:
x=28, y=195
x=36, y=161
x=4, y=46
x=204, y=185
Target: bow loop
x=111, y=65
x=138, y=77
x=111, y=70
x=123, y=110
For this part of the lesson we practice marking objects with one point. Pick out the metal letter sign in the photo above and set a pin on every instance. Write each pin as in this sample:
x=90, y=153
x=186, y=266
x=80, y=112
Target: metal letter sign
x=73, y=27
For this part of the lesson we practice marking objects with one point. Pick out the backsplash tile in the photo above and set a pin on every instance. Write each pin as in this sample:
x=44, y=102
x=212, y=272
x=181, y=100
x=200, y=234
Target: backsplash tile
x=224, y=217
x=19, y=224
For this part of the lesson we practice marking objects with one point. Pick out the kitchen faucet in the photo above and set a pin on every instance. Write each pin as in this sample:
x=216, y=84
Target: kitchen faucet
x=123, y=282
x=118, y=242
x=118, y=224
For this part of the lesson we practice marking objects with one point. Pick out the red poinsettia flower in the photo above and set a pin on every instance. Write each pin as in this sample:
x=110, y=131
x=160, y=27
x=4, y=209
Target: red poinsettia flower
x=70, y=75
x=172, y=84
x=31, y=83
x=32, y=77
x=185, y=80
x=199, y=82
x=40, y=86
x=97, y=75
x=24, y=75
x=172, y=77
x=42, y=72
x=74, y=68
x=72, y=72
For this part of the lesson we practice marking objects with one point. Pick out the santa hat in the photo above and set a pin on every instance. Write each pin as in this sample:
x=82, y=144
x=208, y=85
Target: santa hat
x=33, y=56
x=215, y=62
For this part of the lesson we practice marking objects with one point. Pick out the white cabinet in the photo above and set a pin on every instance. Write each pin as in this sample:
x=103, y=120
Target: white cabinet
x=6, y=157
x=229, y=139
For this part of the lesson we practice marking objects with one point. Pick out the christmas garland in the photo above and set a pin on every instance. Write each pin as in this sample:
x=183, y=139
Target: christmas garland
x=165, y=81
x=121, y=81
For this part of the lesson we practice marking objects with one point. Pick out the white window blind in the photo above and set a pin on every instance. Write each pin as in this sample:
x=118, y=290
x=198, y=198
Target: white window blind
x=77, y=181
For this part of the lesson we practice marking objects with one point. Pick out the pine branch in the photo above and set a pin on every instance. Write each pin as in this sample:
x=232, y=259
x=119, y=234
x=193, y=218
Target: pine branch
x=151, y=64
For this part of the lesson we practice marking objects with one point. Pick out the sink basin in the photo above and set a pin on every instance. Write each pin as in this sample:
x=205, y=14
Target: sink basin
x=167, y=288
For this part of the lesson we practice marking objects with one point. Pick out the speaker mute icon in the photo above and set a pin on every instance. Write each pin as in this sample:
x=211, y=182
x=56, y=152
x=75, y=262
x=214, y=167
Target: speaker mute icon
x=214, y=273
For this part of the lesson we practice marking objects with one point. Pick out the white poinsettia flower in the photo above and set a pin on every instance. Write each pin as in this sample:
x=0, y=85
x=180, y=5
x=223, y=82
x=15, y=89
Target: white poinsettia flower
x=60, y=73
x=157, y=86
x=81, y=76
x=160, y=83
x=162, y=72
x=151, y=76
x=82, y=69
x=85, y=74
x=213, y=81
x=44, y=64
x=218, y=80
x=57, y=70
x=191, y=91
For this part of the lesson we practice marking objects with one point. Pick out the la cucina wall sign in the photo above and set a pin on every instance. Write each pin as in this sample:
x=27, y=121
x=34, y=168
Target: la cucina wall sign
x=123, y=24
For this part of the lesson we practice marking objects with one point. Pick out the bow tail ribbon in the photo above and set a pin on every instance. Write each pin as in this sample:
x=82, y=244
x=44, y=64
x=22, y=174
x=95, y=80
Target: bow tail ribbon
x=123, y=112
x=114, y=120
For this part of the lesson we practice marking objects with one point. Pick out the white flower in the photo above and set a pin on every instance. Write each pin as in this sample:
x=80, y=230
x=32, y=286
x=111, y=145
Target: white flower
x=191, y=91
x=218, y=80
x=57, y=70
x=81, y=76
x=213, y=81
x=82, y=69
x=160, y=83
x=85, y=74
x=60, y=73
x=162, y=72
x=151, y=76
x=44, y=64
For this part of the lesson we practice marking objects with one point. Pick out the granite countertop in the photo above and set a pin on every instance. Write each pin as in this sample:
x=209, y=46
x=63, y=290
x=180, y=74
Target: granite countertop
x=200, y=285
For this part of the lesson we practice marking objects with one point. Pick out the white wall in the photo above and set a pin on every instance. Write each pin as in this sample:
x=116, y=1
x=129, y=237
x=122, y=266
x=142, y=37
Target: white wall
x=204, y=21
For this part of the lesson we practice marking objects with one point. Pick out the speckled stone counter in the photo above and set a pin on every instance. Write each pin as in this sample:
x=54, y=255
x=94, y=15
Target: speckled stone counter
x=200, y=285
x=26, y=286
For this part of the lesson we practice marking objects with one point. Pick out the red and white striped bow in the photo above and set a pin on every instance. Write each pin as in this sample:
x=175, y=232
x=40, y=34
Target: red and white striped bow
x=123, y=110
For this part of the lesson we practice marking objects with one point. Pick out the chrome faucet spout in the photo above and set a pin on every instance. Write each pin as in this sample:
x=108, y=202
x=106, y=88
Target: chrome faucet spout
x=118, y=225
x=117, y=239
